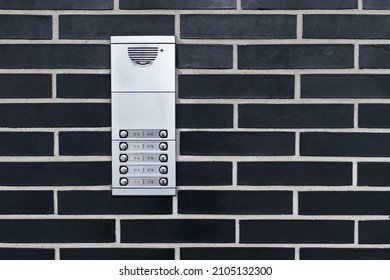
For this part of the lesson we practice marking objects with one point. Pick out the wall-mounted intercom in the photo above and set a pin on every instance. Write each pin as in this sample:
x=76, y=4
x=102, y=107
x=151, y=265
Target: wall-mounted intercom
x=143, y=115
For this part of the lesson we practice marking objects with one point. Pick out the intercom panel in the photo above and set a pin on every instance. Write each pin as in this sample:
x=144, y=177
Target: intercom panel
x=143, y=115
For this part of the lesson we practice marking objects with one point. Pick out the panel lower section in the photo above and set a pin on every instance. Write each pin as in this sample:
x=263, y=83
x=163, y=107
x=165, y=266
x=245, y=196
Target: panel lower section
x=144, y=192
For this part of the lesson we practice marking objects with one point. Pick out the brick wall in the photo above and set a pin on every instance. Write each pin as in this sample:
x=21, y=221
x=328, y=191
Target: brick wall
x=283, y=117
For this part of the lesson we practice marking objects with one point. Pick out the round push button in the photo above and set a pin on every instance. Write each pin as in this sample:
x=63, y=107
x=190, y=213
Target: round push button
x=123, y=146
x=123, y=158
x=124, y=182
x=163, y=181
x=123, y=170
x=123, y=133
x=163, y=133
x=163, y=169
x=163, y=146
x=163, y=158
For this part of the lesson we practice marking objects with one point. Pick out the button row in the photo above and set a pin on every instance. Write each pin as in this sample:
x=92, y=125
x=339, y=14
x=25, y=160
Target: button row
x=143, y=181
x=139, y=157
x=143, y=169
x=123, y=146
x=150, y=133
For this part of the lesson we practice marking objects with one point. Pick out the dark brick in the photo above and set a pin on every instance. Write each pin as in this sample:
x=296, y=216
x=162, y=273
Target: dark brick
x=295, y=56
x=345, y=144
x=344, y=26
x=26, y=144
x=56, y=5
x=374, y=56
x=298, y=4
x=295, y=173
x=233, y=253
x=55, y=115
x=87, y=56
x=238, y=26
x=344, y=203
x=177, y=4
x=178, y=231
x=25, y=27
x=104, y=26
x=376, y=4
x=85, y=143
x=83, y=86
x=344, y=254
x=26, y=202
x=296, y=231
x=26, y=254
x=204, y=116
x=345, y=86
x=55, y=173
x=235, y=202
x=116, y=254
x=203, y=173
x=102, y=202
x=25, y=86
x=295, y=115
x=204, y=56
x=236, y=86
x=374, y=115
x=237, y=143
x=374, y=232
x=373, y=174
x=57, y=231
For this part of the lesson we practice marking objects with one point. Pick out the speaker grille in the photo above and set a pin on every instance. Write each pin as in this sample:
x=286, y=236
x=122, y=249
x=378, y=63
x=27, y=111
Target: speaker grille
x=142, y=55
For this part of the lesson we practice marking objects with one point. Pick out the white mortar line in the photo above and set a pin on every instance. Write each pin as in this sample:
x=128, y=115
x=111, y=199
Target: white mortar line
x=175, y=205
x=117, y=230
x=297, y=253
x=54, y=85
x=55, y=26
x=235, y=116
x=356, y=232
x=234, y=174
x=297, y=87
x=55, y=201
x=177, y=252
x=354, y=173
x=237, y=231
x=360, y=4
x=295, y=203
x=116, y=5
x=297, y=144
x=177, y=27
x=56, y=253
x=239, y=6
x=356, y=53
x=356, y=115
x=235, y=57
x=299, y=26
x=56, y=145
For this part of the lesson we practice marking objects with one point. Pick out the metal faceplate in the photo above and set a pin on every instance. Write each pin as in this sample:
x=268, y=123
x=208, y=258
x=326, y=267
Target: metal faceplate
x=143, y=115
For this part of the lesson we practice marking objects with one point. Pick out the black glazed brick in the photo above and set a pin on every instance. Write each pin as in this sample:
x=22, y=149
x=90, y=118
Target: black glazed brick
x=26, y=254
x=57, y=231
x=55, y=115
x=233, y=253
x=177, y=4
x=26, y=144
x=237, y=143
x=374, y=232
x=87, y=56
x=25, y=86
x=345, y=144
x=238, y=26
x=298, y=4
x=374, y=115
x=203, y=173
x=104, y=26
x=85, y=143
x=376, y=4
x=296, y=231
x=116, y=254
x=83, y=86
x=55, y=173
x=373, y=174
x=235, y=202
x=102, y=202
x=204, y=56
x=374, y=56
x=344, y=254
x=25, y=27
x=26, y=202
x=344, y=203
x=345, y=26
x=178, y=231
x=295, y=56
x=295, y=115
x=345, y=86
x=236, y=86
x=295, y=173
x=204, y=116
x=56, y=5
